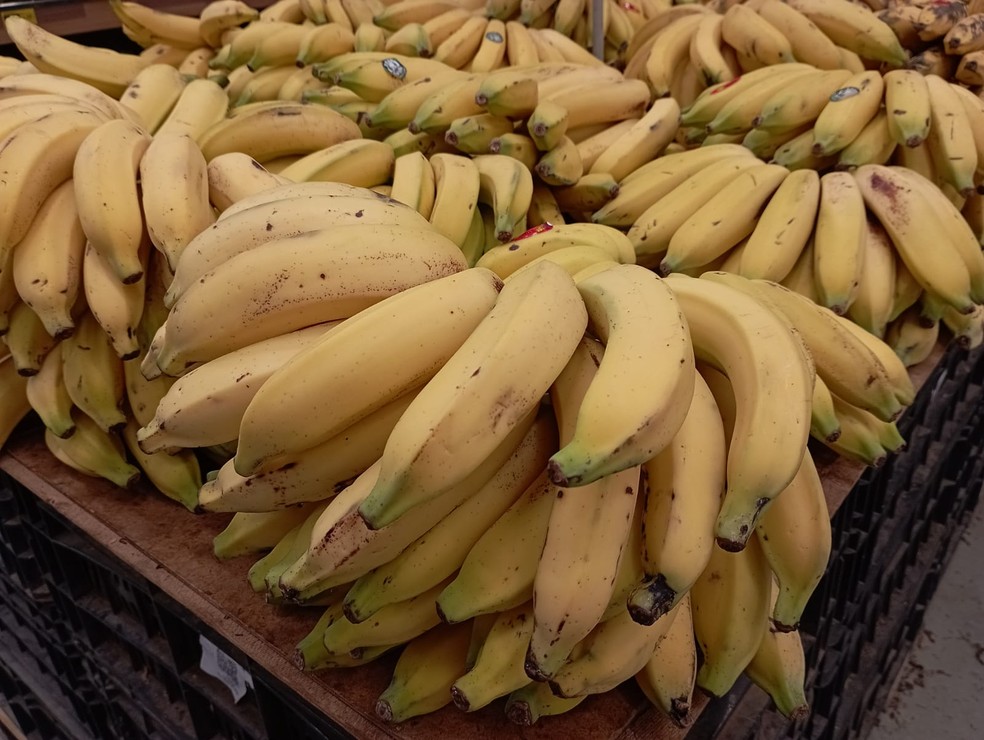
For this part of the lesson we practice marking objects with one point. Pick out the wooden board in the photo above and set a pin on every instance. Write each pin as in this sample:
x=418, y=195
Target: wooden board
x=173, y=550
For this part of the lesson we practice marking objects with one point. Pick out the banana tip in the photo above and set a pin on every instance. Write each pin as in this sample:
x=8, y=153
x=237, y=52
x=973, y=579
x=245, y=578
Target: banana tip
x=730, y=545
x=384, y=711
x=519, y=714
x=459, y=699
x=557, y=475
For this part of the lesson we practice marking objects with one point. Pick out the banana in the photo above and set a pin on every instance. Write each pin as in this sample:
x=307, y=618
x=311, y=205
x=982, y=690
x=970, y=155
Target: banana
x=715, y=98
x=359, y=162
x=27, y=341
x=94, y=374
x=439, y=552
x=399, y=108
x=107, y=197
x=586, y=534
x=516, y=146
x=655, y=227
x=705, y=51
x=588, y=194
x=527, y=704
x=640, y=143
x=234, y=176
x=498, y=668
x=791, y=109
x=779, y=668
x=153, y=93
x=854, y=28
x=411, y=40
x=507, y=186
x=319, y=472
x=967, y=329
x=455, y=100
x=175, y=194
x=724, y=342
x=282, y=218
x=373, y=75
x=325, y=42
x=308, y=190
x=424, y=674
x=908, y=106
x=219, y=16
x=250, y=533
x=106, y=70
x=752, y=35
x=159, y=26
x=47, y=394
x=864, y=438
x=92, y=451
x=936, y=19
x=606, y=103
x=644, y=186
x=499, y=570
x=911, y=339
x=874, y=145
x=393, y=624
x=37, y=158
x=206, y=406
x=839, y=241
x=116, y=307
x=414, y=183
x=412, y=11
x=965, y=36
x=783, y=228
x=797, y=154
x=614, y=651
x=764, y=143
x=951, y=139
x=195, y=63
x=206, y=323
x=677, y=530
x=592, y=147
x=808, y=43
x=201, y=104
x=506, y=259
x=414, y=469
x=560, y=165
x=707, y=234
x=544, y=208
x=730, y=604
x=491, y=54
x=343, y=548
x=668, y=677
x=458, y=49
x=278, y=49
x=849, y=110
x=473, y=291
x=458, y=184
x=286, y=11
x=46, y=266
x=474, y=134
x=176, y=476
x=743, y=113
x=872, y=306
x=795, y=538
x=606, y=441
x=266, y=131
x=670, y=48
x=442, y=25
x=905, y=213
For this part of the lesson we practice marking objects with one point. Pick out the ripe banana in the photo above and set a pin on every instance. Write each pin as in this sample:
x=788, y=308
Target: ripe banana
x=507, y=186
x=379, y=337
x=46, y=266
x=201, y=104
x=207, y=322
x=839, y=241
x=108, y=71
x=854, y=28
x=458, y=184
x=153, y=93
x=683, y=486
x=424, y=454
x=908, y=105
x=951, y=139
x=744, y=344
x=117, y=307
x=92, y=451
x=359, y=162
x=669, y=675
x=424, y=674
x=27, y=341
x=526, y=705
x=48, y=396
x=107, y=197
x=848, y=111
x=873, y=304
x=94, y=374
x=730, y=604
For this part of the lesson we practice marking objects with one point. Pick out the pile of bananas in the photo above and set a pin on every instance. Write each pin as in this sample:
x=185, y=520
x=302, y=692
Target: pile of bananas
x=213, y=247
x=942, y=38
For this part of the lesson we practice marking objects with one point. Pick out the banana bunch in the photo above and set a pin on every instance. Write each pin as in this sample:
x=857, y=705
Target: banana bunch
x=685, y=49
x=434, y=487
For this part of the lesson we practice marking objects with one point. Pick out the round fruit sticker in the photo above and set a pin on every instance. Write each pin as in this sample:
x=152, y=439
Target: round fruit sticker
x=494, y=36
x=844, y=93
x=395, y=68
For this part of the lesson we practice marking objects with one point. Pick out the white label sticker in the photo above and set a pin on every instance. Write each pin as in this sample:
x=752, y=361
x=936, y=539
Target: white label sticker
x=219, y=665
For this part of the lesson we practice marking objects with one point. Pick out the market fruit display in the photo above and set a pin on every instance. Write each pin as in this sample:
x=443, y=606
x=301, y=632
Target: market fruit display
x=477, y=327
